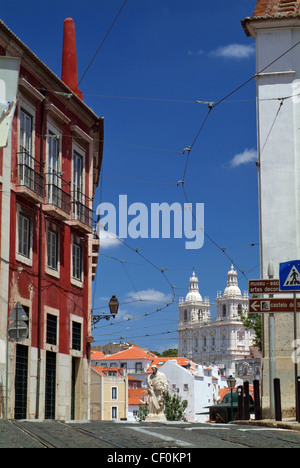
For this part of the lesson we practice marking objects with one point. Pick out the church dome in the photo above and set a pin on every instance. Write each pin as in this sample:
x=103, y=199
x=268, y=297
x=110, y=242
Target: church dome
x=193, y=294
x=232, y=288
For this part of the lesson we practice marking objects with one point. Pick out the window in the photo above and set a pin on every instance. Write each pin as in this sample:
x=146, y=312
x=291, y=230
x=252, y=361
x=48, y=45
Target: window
x=52, y=249
x=138, y=367
x=76, y=336
x=77, y=173
x=51, y=330
x=224, y=310
x=54, y=175
x=24, y=230
x=26, y=161
x=114, y=393
x=213, y=342
x=114, y=412
x=77, y=261
x=223, y=341
x=185, y=316
x=26, y=127
x=78, y=186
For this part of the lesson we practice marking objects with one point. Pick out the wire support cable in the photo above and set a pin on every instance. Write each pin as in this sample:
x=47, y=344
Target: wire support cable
x=101, y=45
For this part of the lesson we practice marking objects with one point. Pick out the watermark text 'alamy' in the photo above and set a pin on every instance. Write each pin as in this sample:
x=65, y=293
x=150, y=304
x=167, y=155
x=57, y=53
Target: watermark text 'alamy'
x=138, y=221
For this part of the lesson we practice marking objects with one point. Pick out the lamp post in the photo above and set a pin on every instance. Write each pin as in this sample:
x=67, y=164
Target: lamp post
x=231, y=382
x=113, y=308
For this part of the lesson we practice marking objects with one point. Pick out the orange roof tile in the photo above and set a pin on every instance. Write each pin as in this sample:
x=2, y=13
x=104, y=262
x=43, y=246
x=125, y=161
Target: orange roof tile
x=181, y=361
x=273, y=9
x=130, y=353
x=135, y=396
x=104, y=370
x=97, y=355
x=134, y=379
x=224, y=391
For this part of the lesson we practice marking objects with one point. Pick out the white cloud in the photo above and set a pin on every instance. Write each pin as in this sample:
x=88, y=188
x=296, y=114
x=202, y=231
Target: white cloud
x=248, y=156
x=108, y=239
x=197, y=54
x=124, y=315
x=230, y=51
x=150, y=295
x=234, y=51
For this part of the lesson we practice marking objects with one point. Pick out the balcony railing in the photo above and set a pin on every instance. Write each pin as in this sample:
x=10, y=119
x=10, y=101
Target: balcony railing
x=80, y=208
x=30, y=173
x=59, y=198
x=58, y=192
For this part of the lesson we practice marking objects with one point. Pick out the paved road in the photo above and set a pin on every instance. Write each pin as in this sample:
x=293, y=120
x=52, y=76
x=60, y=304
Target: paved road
x=114, y=436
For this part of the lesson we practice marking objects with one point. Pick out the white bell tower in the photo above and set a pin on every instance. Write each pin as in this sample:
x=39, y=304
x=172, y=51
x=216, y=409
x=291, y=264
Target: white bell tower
x=193, y=311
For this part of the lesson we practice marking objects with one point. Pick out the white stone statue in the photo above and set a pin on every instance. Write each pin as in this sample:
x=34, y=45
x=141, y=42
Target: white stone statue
x=157, y=386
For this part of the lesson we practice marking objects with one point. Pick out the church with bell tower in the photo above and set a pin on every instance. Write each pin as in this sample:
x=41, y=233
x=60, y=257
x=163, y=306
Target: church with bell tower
x=221, y=341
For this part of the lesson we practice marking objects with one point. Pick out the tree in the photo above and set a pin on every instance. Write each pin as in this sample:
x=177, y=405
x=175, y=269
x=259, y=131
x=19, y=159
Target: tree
x=142, y=412
x=174, y=407
x=172, y=352
x=254, y=322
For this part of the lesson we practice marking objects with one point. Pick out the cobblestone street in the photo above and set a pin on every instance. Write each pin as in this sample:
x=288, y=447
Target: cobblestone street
x=156, y=437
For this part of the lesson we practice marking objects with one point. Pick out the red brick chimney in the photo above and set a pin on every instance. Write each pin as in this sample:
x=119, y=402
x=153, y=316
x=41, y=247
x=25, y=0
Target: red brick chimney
x=69, y=59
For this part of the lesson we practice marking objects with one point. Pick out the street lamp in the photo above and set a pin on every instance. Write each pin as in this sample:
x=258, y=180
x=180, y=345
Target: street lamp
x=113, y=308
x=231, y=382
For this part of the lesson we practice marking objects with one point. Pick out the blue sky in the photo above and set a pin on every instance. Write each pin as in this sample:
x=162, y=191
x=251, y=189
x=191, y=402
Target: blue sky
x=159, y=59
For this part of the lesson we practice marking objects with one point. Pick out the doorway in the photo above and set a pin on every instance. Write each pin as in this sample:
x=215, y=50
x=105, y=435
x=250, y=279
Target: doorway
x=21, y=380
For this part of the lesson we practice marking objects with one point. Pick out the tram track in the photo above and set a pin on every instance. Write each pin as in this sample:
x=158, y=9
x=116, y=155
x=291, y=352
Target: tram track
x=45, y=443
x=95, y=436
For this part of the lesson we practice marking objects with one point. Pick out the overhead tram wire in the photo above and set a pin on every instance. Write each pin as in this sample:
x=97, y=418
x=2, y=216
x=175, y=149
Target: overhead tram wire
x=101, y=45
x=161, y=270
x=211, y=107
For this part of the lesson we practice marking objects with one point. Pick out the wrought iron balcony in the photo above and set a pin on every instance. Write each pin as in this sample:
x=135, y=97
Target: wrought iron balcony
x=30, y=177
x=58, y=196
x=81, y=213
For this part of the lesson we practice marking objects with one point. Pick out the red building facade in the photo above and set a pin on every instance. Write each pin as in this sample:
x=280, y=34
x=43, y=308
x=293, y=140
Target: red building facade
x=53, y=161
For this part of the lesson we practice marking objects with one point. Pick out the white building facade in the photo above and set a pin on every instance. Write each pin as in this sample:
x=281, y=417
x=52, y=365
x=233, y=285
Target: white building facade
x=198, y=385
x=221, y=341
x=275, y=26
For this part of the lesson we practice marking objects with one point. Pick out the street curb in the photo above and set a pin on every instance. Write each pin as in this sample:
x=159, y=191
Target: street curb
x=289, y=425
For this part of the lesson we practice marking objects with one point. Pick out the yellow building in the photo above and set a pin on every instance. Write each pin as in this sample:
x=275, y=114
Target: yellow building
x=109, y=394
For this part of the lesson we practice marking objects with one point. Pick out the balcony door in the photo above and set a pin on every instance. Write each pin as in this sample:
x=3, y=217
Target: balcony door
x=78, y=196
x=54, y=175
x=26, y=160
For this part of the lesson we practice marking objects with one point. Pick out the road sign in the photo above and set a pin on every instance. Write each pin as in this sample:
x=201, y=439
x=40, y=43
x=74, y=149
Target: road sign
x=263, y=287
x=260, y=306
x=18, y=313
x=289, y=276
x=18, y=331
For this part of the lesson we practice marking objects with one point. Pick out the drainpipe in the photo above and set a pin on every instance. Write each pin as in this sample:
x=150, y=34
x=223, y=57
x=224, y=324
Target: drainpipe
x=39, y=332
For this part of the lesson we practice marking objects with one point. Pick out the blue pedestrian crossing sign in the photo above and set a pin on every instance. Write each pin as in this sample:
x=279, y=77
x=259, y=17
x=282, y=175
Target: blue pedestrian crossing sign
x=289, y=276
